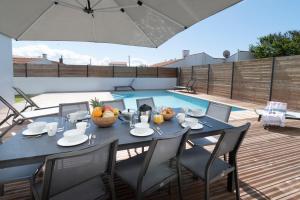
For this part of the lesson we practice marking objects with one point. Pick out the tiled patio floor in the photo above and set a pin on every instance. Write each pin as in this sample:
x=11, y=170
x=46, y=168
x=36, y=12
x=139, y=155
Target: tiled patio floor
x=269, y=168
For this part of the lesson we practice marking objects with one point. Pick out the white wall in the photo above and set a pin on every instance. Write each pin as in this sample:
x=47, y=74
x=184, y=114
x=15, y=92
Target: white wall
x=37, y=85
x=6, y=69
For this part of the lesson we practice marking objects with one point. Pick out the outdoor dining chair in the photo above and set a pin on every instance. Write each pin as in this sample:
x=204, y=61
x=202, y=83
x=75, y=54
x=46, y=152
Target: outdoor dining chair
x=67, y=108
x=19, y=173
x=151, y=170
x=148, y=101
x=218, y=111
x=208, y=167
x=29, y=102
x=78, y=174
x=119, y=103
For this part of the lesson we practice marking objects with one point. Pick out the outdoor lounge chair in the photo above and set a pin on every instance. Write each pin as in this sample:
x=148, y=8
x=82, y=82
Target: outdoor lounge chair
x=208, y=167
x=79, y=174
x=189, y=87
x=124, y=87
x=151, y=170
x=288, y=114
x=29, y=102
x=18, y=117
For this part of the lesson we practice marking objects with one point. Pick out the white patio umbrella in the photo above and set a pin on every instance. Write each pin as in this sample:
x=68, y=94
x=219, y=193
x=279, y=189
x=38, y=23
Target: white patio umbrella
x=146, y=23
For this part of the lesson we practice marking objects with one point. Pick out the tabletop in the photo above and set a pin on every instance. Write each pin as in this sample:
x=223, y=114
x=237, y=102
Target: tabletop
x=20, y=150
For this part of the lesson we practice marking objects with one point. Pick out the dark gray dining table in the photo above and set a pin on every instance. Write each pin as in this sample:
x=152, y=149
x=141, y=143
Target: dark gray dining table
x=21, y=150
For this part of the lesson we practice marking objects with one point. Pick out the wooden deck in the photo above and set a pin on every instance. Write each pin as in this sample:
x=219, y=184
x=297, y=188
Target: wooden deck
x=269, y=166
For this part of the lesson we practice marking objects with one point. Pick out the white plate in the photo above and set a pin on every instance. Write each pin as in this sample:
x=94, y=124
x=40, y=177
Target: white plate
x=146, y=133
x=65, y=143
x=27, y=132
x=193, y=115
x=197, y=126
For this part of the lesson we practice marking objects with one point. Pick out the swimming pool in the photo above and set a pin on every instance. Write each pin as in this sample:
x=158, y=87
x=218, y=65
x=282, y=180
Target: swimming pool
x=163, y=98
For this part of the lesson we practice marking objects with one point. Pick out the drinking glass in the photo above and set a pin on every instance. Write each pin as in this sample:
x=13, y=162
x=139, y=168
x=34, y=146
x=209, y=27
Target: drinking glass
x=61, y=121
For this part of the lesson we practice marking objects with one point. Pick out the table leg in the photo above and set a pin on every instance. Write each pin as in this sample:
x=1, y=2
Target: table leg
x=230, y=178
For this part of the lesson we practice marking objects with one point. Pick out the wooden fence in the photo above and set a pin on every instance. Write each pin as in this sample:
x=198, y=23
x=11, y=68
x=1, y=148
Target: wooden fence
x=255, y=81
x=58, y=70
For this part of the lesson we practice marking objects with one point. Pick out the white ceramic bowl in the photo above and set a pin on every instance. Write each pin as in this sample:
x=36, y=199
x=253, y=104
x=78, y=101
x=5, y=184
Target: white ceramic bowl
x=72, y=135
x=191, y=121
x=37, y=127
x=141, y=127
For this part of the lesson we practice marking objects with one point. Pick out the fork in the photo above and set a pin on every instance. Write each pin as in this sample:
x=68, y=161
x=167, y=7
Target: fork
x=159, y=130
x=93, y=138
x=159, y=133
x=90, y=137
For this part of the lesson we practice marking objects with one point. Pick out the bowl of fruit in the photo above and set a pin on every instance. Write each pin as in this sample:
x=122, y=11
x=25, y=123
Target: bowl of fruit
x=167, y=113
x=103, y=116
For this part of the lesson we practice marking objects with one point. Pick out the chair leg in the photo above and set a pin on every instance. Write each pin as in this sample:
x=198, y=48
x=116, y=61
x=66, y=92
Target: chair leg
x=128, y=152
x=112, y=188
x=206, y=190
x=225, y=157
x=179, y=184
x=139, y=196
x=237, y=187
x=1, y=190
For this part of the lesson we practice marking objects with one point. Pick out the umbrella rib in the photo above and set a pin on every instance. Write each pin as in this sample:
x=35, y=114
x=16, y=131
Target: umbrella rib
x=164, y=16
x=42, y=14
x=97, y=3
x=62, y=3
x=139, y=28
x=115, y=8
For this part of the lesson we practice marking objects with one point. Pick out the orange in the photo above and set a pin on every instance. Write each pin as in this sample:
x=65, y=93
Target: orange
x=97, y=112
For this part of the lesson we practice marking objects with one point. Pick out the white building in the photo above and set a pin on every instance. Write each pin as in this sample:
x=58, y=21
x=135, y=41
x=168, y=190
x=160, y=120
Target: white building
x=203, y=58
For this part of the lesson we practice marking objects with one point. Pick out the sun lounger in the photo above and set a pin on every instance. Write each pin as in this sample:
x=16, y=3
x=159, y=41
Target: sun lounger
x=288, y=115
x=126, y=87
x=189, y=87
x=17, y=116
x=29, y=102
x=275, y=113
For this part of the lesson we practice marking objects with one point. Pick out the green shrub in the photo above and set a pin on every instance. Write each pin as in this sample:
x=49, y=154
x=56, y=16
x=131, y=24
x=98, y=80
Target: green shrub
x=277, y=44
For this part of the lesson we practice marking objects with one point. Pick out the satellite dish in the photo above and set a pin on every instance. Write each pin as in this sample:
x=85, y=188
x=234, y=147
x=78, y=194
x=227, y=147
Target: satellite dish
x=226, y=54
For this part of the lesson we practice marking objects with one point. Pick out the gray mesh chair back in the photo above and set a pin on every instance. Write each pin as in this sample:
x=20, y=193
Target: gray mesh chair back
x=230, y=140
x=163, y=150
x=219, y=111
x=68, y=170
x=148, y=101
x=67, y=108
x=119, y=103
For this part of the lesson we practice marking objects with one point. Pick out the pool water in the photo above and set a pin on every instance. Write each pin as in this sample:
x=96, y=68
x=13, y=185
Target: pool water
x=163, y=98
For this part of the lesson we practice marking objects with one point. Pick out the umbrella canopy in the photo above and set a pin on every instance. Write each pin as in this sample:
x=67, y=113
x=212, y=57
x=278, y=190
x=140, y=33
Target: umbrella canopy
x=146, y=23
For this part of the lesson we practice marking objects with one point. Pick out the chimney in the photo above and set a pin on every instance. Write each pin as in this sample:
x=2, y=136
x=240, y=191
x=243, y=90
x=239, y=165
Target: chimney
x=185, y=53
x=61, y=60
x=44, y=56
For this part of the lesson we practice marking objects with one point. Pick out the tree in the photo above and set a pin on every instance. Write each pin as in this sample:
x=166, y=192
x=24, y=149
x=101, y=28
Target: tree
x=277, y=44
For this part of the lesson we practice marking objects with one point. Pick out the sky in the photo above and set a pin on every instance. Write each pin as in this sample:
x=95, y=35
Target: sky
x=234, y=28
